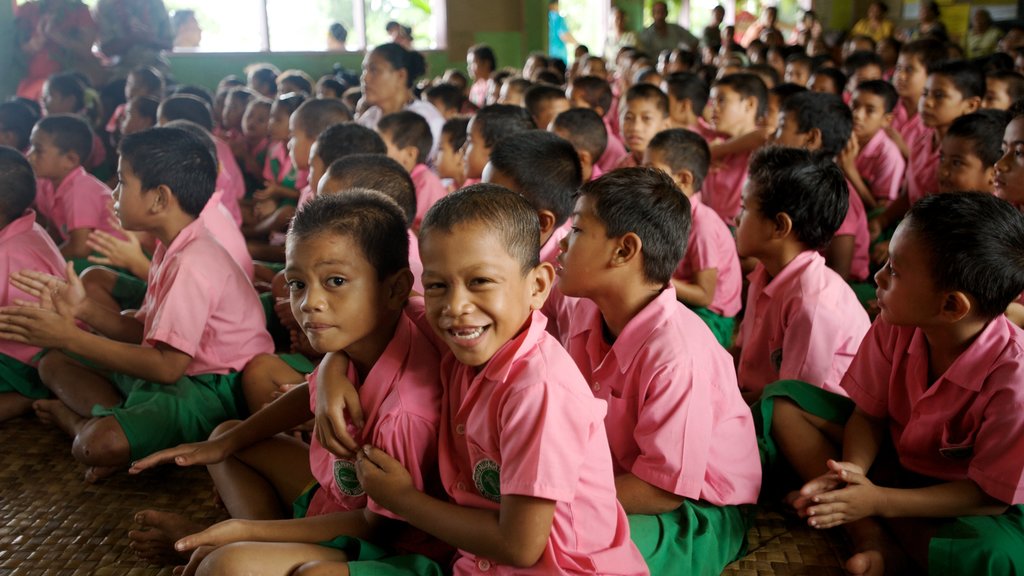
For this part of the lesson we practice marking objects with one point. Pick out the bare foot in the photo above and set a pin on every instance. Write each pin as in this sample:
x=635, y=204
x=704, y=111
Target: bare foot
x=158, y=532
x=57, y=413
x=867, y=563
x=94, y=474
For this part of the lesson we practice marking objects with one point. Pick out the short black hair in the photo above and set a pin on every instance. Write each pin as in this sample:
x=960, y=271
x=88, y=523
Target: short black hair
x=1014, y=82
x=586, y=130
x=17, y=184
x=647, y=92
x=928, y=51
x=17, y=119
x=648, y=203
x=331, y=83
x=808, y=187
x=406, y=129
x=544, y=167
x=501, y=210
x=380, y=173
x=174, y=158
x=883, y=89
x=498, y=121
x=290, y=101
x=68, y=84
x=455, y=129
x=859, y=60
x=835, y=75
x=449, y=95
x=827, y=112
x=150, y=78
x=315, y=116
x=483, y=53
x=538, y=95
x=401, y=58
x=187, y=107
x=595, y=91
x=70, y=133
x=688, y=86
x=266, y=76
x=976, y=245
x=369, y=218
x=800, y=58
x=199, y=132
x=194, y=90
x=967, y=77
x=549, y=77
x=684, y=150
x=762, y=70
x=984, y=129
x=747, y=85
x=146, y=106
x=346, y=139
x=302, y=82
x=783, y=92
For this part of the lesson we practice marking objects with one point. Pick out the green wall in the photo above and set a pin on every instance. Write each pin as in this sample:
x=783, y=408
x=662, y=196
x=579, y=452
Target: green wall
x=8, y=83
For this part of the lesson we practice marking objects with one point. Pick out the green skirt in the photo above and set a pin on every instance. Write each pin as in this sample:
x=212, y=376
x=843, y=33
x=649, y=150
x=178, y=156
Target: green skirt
x=722, y=327
x=21, y=378
x=696, y=538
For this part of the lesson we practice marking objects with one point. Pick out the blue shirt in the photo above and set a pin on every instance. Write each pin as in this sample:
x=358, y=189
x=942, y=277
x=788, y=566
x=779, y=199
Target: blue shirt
x=557, y=27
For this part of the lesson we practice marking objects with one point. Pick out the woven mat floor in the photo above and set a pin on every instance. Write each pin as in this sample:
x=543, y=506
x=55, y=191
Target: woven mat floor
x=52, y=522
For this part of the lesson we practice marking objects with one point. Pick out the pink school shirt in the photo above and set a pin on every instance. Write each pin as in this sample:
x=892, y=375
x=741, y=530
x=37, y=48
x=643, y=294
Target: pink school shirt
x=200, y=302
x=24, y=245
x=219, y=222
x=595, y=172
x=305, y=195
x=967, y=424
x=527, y=424
x=415, y=264
x=711, y=245
x=428, y=191
x=910, y=127
x=723, y=187
x=614, y=150
x=923, y=167
x=804, y=324
x=401, y=399
x=554, y=307
x=234, y=184
x=676, y=418
x=80, y=201
x=856, y=224
x=880, y=163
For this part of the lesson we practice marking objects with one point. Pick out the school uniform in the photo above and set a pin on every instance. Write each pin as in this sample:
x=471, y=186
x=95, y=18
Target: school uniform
x=234, y=185
x=804, y=324
x=855, y=224
x=880, y=163
x=909, y=127
x=723, y=186
x=675, y=420
x=614, y=150
x=554, y=307
x=278, y=167
x=428, y=191
x=217, y=218
x=79, y=201
x=415, y=263
x=527, y=424
x=923, y=167
x=711, y=245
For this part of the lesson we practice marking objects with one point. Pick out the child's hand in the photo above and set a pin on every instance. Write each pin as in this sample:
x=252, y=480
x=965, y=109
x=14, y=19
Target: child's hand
x=219, y=534
x=198, y=555
x=194, y=454
x=126, y=253
x=334, y=395
x=848, y=157
x=36, y=326
x=874, y=229
x=270, y=191
x=383, y=478
x=263, y=209
x=67, y=298
x=859, y=498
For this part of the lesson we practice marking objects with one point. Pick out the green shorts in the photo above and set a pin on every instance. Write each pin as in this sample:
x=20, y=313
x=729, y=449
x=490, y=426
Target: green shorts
x=129, y=291
x=722, y=327
x=299, y=363
x=979, y=545
x=366, y=558
x=157, y=416
x=696, y=538
x=21, y=378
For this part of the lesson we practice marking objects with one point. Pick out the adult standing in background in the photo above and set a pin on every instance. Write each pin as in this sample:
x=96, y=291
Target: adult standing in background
x=983, y=37
x=619, y=37
x=134, y=33
x=768, y=22
x=929, y=25
x=875, y=24
x=52, y=35
x=663, y=35
x=558, y=33
x=711, y=39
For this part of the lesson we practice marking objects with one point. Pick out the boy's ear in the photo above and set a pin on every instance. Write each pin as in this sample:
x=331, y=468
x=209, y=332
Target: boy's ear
x=990, y=177
x=783, y=226
x=547, y=221
x=410, y=154
x=685, y=178
x=399, y=287
x=585, y=158
x=628, y=248
x=887, y=119
x=540, y=280
x=955, y=306
x=812, y=139
x=162, y=199
x=972, y=104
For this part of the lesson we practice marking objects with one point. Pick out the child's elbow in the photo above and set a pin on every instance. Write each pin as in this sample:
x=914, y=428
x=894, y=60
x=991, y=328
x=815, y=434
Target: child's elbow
x=526, y=556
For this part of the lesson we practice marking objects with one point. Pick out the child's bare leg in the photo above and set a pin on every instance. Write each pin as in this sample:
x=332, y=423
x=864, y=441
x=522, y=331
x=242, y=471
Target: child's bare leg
x=914, y=536
x=805, y=440
x=13, y=405
x=269, y=558
x=99, y=443
x=159, y=530
x=261, y=481
x=322, y=568
x=99, y=285
x=263, y=376
x=76, y=385
x=875, y=552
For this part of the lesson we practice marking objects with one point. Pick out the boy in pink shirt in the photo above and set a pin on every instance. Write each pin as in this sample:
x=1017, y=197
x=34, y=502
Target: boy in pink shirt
x=409, y=141
x=489, y=125
x=595, y=93
x=908, y=79
x=584, y=129
x=76, y=203
x=871, y=160
x=24, y=245
x=682, y=439
x=708, y=278
x=802, y=321
x=928, y=474
x=970, y=150
x=356, y=236
x=523, y=453
x=169, y=373
x=644, y=114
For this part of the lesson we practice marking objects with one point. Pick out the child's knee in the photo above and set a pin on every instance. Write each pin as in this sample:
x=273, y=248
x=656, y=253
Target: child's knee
x=54, y=366
x=784, y=413
x=317, y=568
x=233, y=558
x=98, y=278
x=102, y=441
x=223, y=428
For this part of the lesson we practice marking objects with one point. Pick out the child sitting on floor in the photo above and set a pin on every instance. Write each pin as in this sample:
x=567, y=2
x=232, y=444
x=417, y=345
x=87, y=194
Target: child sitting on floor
x=644, y=114
x=282, y=175
x=168, y=374
x=708, y=278
x=490, y=124
x=682, y=439
x=24, y=245
x=450, y=153
x=585, y=130
x=922, y=464
x=1002, y=89
x=871, y=160
x=409, y=141
x=596, y=93
x=970, y=150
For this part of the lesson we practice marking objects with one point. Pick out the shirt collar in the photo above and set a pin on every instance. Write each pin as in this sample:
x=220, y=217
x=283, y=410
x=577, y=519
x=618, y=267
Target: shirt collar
x=499, y=366
x=18, y=225
x=968, y=369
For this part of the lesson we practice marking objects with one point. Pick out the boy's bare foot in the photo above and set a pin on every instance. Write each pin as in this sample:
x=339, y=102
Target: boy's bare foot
x=94, y=474
x=867, y=563
x=57, y=413
x=154, y=541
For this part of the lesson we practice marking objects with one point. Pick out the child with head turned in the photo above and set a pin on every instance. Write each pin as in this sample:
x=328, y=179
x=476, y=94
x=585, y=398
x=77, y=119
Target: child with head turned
x=821, y=123
x=669, y=385
x=687, y=98
x=485, y=129
x=513, y=91
x=480, y=63
x=16, y=121
x=596, y=93
x=523, y=453
x=644, y=113
x=801, y=320
x=922, y=464
x=544, y=102
x=585, y=130
x=708, y=278
x=409, y=140
x=828, y=80
x=349, y=283
x=24, y=245
x=446, y=98
x=871, y=160
x=135, y=384
x=450, y=153
x=1002, y=89
x=74, y=203
x=909, y=78
x=970, y=150
x=283, y=176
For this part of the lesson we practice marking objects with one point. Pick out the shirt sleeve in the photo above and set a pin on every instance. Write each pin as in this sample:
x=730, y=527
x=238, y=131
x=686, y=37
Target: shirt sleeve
x=86, y=209
x=811, y=346
x=867, y=379
x=998, y=463
x=413, y=442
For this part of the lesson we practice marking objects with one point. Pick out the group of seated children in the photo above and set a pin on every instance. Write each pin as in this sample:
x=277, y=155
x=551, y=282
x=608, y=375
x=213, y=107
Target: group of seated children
x=523, y=337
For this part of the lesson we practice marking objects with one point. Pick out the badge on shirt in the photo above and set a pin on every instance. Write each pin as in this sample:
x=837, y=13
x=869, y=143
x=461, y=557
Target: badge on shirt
x=776, y=359
x=487, y=479
x=345, y=478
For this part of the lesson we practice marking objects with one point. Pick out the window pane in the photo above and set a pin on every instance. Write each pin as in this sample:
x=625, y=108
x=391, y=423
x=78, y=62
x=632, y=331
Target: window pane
x=227, y=26
x=420, y=15
x=302, y=25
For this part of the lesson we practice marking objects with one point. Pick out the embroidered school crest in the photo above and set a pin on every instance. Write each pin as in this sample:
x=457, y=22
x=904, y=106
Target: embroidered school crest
x=487, y=479
x=346, y=479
